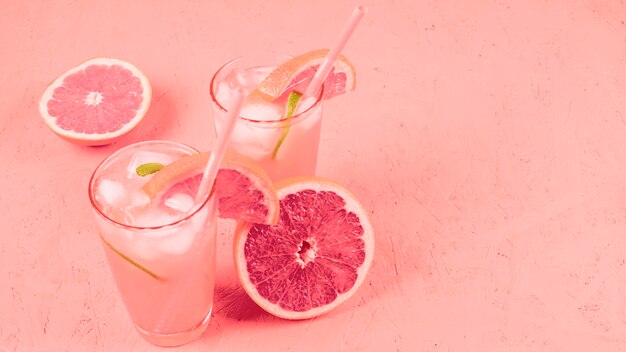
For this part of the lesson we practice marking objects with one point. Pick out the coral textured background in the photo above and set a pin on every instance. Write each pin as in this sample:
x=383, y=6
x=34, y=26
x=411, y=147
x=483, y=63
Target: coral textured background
x=486, y=138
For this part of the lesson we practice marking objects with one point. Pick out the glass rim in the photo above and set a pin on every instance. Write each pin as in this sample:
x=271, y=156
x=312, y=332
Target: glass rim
x=318, y=100
x=100, y=212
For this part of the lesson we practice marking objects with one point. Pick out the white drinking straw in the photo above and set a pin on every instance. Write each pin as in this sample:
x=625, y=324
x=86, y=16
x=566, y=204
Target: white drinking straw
x=217, y=154
x=329, y=61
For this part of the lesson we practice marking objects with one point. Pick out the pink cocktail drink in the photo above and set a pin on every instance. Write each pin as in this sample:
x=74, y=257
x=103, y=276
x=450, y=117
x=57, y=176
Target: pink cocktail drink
x=283, y=146
x=161, y=251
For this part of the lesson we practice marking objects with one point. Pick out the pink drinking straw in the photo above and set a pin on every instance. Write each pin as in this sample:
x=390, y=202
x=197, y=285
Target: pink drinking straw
x=217, y=154
x=333, y=54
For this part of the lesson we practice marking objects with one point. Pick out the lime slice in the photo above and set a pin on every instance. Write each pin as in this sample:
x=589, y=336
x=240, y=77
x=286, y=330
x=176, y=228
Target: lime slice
x=148, y=169
x=130, y=260
x=292, y=103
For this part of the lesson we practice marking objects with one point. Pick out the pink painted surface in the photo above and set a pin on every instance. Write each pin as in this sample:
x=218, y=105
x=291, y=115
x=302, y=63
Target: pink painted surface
x=487, y=139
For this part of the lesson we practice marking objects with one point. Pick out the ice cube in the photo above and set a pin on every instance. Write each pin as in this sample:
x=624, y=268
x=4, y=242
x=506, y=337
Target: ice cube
x=262, y=112
x=138, y=199
x=254, y=142
x=236, y=78
x=137, y=202
x=189, y=231
x=143, y=157
x=177, y=243
x=241, y=79
x=110, y=193
x=180, y=202
x=170, y=239
x=153, y=217
x=247, y=78
x=224, y=95
x=144, y=246
x=257, y=74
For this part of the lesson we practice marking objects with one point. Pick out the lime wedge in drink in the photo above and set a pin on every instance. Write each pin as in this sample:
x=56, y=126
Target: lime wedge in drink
x=292, y=103
x=130, y=260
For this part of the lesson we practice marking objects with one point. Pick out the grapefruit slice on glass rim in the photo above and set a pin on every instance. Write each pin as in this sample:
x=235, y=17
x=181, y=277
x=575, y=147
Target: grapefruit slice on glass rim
x=96, y=102
x=314, y=258
x=296, y=74
x=244, y=191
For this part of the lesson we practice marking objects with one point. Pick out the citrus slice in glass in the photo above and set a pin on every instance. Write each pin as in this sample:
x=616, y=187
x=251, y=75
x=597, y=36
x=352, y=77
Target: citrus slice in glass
x=244, y=191
x=314, y=258
x=296, y=74
x=97, y=102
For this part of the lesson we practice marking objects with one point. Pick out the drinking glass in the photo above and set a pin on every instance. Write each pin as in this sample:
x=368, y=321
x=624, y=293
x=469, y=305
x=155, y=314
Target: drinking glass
x=163, y=261
x=283, y=146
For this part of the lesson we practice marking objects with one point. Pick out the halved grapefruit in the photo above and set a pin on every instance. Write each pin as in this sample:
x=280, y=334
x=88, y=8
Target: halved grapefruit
x=297, y=73
x=244, y=191
x=314, y=258
x=97, y=102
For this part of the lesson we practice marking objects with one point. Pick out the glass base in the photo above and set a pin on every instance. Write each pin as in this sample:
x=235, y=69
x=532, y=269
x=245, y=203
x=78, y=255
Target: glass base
x=176, y=339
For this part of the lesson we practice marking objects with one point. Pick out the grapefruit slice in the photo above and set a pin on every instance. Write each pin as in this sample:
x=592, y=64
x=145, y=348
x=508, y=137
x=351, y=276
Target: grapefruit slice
x=96, y=102
x=314, y=258
x=297, y=73
x=244, y=191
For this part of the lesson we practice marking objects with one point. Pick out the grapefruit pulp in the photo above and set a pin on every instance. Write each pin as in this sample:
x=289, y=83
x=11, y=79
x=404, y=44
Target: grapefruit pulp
x=314, y=258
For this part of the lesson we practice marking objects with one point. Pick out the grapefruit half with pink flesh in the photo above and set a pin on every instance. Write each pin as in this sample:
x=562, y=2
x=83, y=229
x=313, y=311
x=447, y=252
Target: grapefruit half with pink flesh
x=97, y=102
x=297, y=73
x=244, y=191
x=314, y=258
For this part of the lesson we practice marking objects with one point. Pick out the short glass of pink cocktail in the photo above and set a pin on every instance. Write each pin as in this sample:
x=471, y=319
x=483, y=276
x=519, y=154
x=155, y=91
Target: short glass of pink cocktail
x=262, y=125
x=161, y=252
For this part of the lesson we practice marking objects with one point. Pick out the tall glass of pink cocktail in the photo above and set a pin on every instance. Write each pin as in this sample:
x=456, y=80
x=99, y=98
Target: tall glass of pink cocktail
x=161, y=252
x=283, y=146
